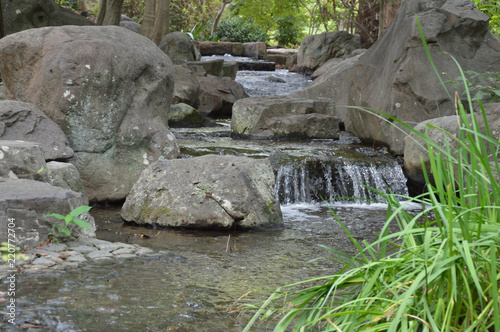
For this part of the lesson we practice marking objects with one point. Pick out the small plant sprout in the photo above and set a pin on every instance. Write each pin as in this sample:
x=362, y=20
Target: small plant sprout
x=70, y=218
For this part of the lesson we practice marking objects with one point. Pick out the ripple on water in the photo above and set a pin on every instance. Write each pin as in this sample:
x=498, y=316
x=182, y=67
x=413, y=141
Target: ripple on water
x=194, y=281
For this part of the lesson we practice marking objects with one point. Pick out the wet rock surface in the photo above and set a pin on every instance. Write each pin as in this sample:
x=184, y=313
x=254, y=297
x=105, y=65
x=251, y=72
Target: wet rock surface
x=208, y=192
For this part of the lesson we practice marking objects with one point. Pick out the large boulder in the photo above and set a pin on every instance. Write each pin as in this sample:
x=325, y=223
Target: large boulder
x=21, y=15
x=395, y=76
x=110, y=91
x=179, y=47
x=284, y=118
x=416, y=149
x=64, y=175
x=315, y=50
x=186, y=87
x=218, y=94
x=24, y=205
x=20, y=159
x=24, y=121
x=334, y=84
x=205, y=192
x=128, y=23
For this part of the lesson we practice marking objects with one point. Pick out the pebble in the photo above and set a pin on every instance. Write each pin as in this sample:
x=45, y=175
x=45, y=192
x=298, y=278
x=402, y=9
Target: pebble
x=59, y=256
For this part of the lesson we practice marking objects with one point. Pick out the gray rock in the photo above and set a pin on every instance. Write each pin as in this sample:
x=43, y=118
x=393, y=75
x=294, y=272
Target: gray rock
x=326, y=67
x=42, y=261
x=45, y=252
x=125, y=256
x=205, y=192
x=179, y=47
x=217, y=96
x=144, y=251
x=123, y=251
x=56, y=247
x=24, y=159
x=110, y=91
x=285, y=118
x=27, y=14
x=128, y=23
x=27, y=203
x=210, y=67
x=83, y=249
x=185, y=116
x=98, y=254
x=76, y=259
x=315, y=50
x=23, y=121
x=255, y=50
x=395, y=77
x=230, y=69
x=186, y=87
x=64, y=175
x=415, y=149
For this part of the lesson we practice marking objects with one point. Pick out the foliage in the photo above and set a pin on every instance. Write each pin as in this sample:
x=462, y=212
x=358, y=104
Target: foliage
x=491, y=8
x=237, y=29
x=287, y=31
x=439, y=272
x=133, y=9
x=184, y=15
x=71, y=218
x=485, y=86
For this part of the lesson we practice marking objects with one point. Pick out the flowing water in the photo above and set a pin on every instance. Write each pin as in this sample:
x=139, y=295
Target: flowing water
x=198, y=276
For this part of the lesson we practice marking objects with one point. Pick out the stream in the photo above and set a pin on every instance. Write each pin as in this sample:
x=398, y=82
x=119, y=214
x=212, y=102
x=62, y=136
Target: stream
x=200, y=280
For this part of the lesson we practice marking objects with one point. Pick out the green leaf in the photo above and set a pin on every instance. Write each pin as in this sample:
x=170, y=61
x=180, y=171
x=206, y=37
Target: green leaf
x=55, y=215
x=65, y=230
x=79, y=210
x=68, y=219
x=82, y=223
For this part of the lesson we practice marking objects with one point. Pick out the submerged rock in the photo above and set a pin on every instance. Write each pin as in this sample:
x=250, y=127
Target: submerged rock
x=205, y=192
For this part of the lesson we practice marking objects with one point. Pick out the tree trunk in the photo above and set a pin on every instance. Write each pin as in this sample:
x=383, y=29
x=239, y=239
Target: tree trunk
x=1, y=22
x=219, y=14
x=162, y=21
x=148, y=19
x=156, y=20
x=381, y=18
x=109, y=12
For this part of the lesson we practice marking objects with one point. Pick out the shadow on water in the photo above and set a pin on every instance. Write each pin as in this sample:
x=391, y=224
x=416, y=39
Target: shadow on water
x=198, y=275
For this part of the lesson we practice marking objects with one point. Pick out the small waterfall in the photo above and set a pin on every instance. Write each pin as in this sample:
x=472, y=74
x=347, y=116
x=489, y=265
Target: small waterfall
x=311, y=180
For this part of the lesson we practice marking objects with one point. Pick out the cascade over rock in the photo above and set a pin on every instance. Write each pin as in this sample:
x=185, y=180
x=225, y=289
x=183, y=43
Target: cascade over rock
x=108, y=88
x=394, y=76
x=205, y=192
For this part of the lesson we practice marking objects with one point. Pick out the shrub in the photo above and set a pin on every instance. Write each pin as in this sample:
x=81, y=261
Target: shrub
x=288, y=31
x=238, y=30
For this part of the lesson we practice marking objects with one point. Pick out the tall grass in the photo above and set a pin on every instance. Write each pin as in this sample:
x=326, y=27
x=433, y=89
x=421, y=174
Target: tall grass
x=439, y=272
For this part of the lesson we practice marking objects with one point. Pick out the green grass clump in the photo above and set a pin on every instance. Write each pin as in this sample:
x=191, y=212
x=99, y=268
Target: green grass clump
x=438, y=272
